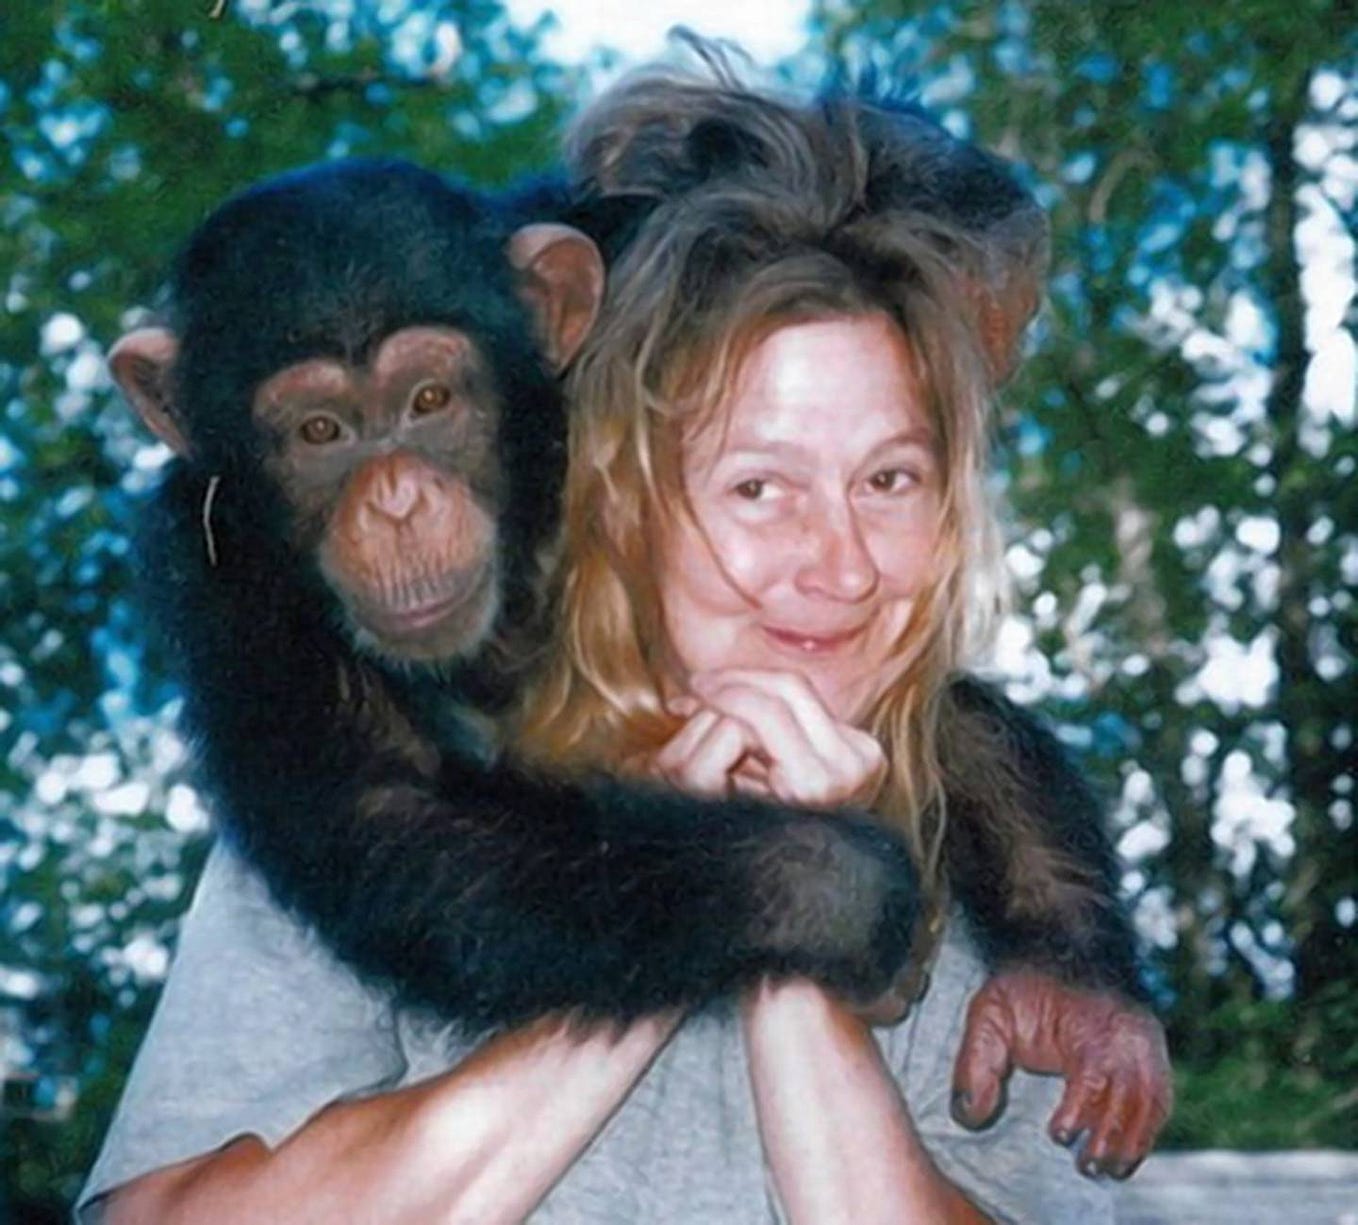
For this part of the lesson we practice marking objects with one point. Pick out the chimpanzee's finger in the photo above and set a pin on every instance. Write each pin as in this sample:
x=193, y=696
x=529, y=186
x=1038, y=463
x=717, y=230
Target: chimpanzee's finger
x=1065, y=1123
x=1080, y=1106
x=1138, y=1134
x=889, y=1008
x=984, y=1061
x=1105, y=1150
x=1154, y=1098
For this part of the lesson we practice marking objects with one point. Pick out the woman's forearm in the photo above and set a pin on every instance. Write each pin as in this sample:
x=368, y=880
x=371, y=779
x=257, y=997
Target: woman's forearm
x=482, y=1143
x=836, y=1132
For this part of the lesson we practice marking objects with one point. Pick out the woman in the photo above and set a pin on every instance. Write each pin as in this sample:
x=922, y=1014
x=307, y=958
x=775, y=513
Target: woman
x=1020, y=850
x=791, y=477
x=777, y=530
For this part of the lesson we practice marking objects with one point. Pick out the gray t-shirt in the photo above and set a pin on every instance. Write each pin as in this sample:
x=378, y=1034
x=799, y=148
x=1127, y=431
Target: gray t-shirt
x=259, y=1028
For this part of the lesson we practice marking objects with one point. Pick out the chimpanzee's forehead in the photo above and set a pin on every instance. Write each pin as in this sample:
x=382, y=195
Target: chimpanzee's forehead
x=330, y=259
x=341, y=241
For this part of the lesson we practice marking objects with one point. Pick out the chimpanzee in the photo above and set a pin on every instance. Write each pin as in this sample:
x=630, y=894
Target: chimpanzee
x=369, y=448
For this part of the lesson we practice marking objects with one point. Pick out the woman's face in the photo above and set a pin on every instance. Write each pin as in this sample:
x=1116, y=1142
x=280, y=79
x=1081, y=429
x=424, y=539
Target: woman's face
x=816, y=496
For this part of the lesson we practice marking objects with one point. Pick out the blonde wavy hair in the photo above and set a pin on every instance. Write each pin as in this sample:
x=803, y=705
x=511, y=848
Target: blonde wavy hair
x=712, y=273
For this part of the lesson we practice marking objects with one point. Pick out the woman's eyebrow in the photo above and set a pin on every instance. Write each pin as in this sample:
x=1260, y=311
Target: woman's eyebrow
x=916, y=436
x=919, y=438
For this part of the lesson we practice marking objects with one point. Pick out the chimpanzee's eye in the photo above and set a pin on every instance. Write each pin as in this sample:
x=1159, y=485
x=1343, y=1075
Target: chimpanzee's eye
x=430, y=398
x=319, y=430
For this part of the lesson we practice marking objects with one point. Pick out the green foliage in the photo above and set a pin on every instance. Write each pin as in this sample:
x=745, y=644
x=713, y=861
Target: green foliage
x=1268, y=1090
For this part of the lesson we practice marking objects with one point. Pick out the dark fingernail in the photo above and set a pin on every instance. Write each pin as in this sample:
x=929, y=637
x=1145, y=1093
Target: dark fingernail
x=1064, y=1137
x=961, y=1102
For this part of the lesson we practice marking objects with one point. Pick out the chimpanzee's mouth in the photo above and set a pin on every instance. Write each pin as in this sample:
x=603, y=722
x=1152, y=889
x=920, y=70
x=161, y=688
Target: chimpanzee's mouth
x=415, y=611
x=420, y=616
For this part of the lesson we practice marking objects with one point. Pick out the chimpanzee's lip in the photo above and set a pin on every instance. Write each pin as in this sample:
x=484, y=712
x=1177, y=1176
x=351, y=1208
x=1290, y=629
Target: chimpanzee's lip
x=415, y=616
x=421, y=616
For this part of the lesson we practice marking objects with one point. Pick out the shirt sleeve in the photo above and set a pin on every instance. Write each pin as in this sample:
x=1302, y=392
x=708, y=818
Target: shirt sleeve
x=1012, y=1170
x=257, y=1029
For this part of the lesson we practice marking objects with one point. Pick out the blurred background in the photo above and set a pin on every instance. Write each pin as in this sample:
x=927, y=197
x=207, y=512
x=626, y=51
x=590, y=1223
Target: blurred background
x=1178, y=457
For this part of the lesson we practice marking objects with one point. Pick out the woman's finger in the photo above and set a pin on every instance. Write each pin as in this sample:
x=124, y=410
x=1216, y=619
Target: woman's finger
x=707, y=760
x=852, y=763
x=803, y=703
x=797, y=773
x=679, y=746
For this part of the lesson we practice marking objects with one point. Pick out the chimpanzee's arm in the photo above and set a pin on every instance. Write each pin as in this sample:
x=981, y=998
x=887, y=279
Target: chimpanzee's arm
x=494, y=896
x=1026, y=848
x=489, y=894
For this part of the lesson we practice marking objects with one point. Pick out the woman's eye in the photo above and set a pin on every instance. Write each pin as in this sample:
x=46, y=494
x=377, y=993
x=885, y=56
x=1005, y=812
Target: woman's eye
x=319, y=430
x=890, y=480
x=431, y=398
x=751, y=490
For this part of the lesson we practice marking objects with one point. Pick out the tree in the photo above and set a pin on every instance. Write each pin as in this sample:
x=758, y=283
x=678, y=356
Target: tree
x=1183, y=489
x=125, y=124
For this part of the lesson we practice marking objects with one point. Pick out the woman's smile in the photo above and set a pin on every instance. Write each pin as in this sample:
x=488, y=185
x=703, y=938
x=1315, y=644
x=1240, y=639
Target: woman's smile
x=800, y=643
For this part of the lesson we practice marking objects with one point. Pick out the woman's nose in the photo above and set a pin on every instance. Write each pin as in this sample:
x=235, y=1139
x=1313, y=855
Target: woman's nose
x=837, y=562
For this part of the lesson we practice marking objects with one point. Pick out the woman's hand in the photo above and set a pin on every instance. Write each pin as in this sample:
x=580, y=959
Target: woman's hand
x=769, y=733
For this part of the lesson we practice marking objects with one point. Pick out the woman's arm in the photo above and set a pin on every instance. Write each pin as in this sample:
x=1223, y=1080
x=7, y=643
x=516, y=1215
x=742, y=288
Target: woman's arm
x=482, y=1143
x=836, y=1132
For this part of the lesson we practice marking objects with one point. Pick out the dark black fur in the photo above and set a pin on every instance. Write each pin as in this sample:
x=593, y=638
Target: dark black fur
x=1039, y=890
x=480, y=891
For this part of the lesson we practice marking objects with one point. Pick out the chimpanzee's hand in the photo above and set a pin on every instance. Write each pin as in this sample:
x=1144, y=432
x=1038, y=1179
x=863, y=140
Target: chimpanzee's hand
x=1110, y=1051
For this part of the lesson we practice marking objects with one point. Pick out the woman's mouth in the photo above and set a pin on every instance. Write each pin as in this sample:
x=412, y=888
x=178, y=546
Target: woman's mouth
x=804, y=645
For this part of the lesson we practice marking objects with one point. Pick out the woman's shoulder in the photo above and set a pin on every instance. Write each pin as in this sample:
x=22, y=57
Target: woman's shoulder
x=238, y=941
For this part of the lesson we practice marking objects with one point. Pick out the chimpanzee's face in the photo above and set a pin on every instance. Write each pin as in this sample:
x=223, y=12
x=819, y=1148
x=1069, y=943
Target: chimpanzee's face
x=391, y=474
x=392, y=467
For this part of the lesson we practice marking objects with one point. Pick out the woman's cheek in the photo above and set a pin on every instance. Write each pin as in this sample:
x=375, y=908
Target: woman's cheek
x=750, y=560
x=906, y=553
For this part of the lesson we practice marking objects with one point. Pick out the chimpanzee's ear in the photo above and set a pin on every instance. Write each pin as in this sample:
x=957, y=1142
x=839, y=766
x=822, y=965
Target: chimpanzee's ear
x=1008, y=296
x=561, y=278
x=140, y=364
